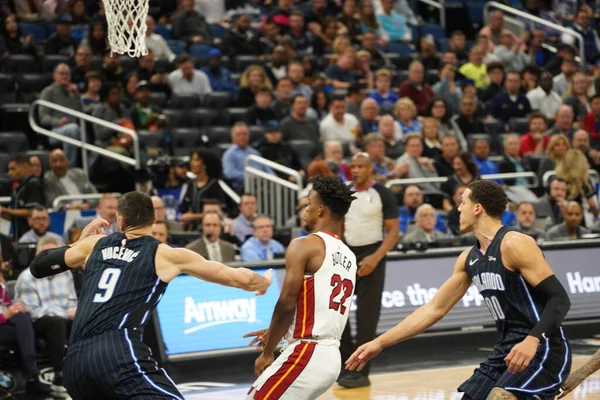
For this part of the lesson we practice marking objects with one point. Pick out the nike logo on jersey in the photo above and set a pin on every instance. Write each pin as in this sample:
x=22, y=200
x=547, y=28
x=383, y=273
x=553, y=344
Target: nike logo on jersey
x=492, y=258
x=473, y=261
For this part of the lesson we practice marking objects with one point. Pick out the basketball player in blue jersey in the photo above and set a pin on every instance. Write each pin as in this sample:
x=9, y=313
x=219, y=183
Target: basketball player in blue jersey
x=126, y=274
x=532, y=358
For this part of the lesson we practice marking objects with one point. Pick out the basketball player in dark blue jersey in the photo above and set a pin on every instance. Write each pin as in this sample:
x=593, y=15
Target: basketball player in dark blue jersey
x=126, y=274
x=532, y=357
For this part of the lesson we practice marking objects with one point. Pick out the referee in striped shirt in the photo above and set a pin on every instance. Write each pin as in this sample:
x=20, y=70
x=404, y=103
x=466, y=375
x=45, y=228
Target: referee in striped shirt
x=374, y=212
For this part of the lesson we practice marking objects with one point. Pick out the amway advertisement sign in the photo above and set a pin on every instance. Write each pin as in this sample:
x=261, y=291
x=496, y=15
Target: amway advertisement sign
x=200, y=316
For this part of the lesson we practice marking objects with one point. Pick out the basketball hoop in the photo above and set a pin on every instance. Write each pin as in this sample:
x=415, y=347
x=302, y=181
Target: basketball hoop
x=127, y=26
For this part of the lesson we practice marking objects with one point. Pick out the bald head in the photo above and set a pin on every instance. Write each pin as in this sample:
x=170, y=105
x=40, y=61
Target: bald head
x=333, y=151
x=369, y=109
x=581, y=140
x=564, y=117
x=416, y=72
x=159, y=207
x=58, y=162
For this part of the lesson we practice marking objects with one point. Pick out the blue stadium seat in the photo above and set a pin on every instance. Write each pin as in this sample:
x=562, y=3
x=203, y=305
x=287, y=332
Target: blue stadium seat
x=475, y=10
x=22, y=64
x=444, y=44
x=13, y=142
x=399, y=48
x=8, y=89
x=35, y=29
x=164, y=32
x=433, y=29
x=217, y=31
x=52, y=60
x=200, y=52
x=416, y=32
x=176, y=46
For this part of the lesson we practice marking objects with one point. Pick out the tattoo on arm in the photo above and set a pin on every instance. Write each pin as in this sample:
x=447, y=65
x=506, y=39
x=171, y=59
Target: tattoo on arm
x=501, y=394
x=589, y=368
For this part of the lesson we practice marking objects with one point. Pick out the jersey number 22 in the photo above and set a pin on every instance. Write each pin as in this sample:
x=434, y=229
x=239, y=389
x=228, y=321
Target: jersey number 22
x=344, y=287
x=107, y=283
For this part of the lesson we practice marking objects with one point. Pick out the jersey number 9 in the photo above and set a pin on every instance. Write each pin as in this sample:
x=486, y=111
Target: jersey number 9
x=107, y=283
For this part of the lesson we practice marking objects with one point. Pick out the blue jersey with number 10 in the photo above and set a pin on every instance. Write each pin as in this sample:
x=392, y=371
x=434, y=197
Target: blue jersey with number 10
x=120, y=286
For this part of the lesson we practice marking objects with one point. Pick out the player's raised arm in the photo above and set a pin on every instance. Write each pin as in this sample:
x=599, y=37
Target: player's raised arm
x=521, y=253
x=172, y=262
x=421, y=319
x=54, y=261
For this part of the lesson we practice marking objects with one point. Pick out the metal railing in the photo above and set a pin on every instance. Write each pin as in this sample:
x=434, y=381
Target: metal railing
x=82, y=143
x=442, y=179
x=537, y=20
x=594, y=177
x=276, y=197
x=71, y=197
x=4, y=200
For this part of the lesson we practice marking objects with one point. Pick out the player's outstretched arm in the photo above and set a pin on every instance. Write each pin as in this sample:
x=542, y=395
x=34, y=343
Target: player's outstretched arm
x=172, y=262
x=297, y=257
x=580, y=375
x=421, y=319
x=54, y=261
x=521, y=253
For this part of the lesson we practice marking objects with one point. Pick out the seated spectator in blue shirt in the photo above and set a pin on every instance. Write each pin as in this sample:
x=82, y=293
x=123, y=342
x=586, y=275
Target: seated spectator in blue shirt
x=235, y=156
x=342, y=74
x=382, y=94
x=261, y=246
x=411, y=200
x=481, y=152
x=39, y=222
x=511, y=103
x=393, y=25
x=241, y=226
x=219, y=76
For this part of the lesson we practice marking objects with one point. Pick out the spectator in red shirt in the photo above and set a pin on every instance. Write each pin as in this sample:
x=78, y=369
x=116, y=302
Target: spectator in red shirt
x=535, y=142
x=415, y=88
x=591, y=123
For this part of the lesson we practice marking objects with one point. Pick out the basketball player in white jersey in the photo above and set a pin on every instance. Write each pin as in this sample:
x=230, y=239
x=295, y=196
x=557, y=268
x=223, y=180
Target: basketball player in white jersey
x=314, y=304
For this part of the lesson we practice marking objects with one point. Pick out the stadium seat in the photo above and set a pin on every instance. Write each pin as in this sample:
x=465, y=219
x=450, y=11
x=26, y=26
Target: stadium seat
x=244, y=61
x=257, y=134
x=519, y=125
x=493, y=126
x=498, y=143
x=204, y=117
x=52, y=60
x=217, y=31
x=218, y=100
x=44, y=157
x=8, y=89
x=219, y=134
x=235, y=114
x=163, y=65
x=4, y=157
x=35, y=29
x=433, y=29
x=222, y=147
x=200, y=52
x=5, y=180
x=150, y=139
x=306, y=150
x=97, y=62
x=401, y=61
x=176, y=46
x=164, y=32
x=186, y=139
x=178, y=118
x=30, y=85
x=432, y=76
x=159, y=99
x=444, y=44
x=533, y=160
x=22, y=64
x=128, y=64
x=185, y=101
x=415, y=31
x=13, y=142
x=15, y=117
x=236, y=76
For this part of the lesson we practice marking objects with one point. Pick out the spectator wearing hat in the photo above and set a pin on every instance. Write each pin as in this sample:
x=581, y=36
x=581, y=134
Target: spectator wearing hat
x=273, y=148
x=144, y=115
x=261, y=112
x=156, y=43
x=62, y=42
x=219, y=76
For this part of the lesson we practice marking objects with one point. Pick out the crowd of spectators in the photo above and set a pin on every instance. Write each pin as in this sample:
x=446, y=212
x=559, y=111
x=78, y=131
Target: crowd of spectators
x=317, y=87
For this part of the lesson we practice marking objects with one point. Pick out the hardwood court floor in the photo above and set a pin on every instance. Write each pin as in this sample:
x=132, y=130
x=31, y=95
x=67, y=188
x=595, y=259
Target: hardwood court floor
x=430, y=384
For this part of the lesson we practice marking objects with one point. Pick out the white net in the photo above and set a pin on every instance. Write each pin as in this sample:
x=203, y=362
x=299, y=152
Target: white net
x=127, y=26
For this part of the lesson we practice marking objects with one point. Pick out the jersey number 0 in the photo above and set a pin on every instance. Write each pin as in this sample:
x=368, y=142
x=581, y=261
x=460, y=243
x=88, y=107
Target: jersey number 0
x=340, y=286
x=107, y=283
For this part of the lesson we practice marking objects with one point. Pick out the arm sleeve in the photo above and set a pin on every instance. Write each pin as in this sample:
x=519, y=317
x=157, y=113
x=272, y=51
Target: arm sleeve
x=388, y=202
x=557, y=302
